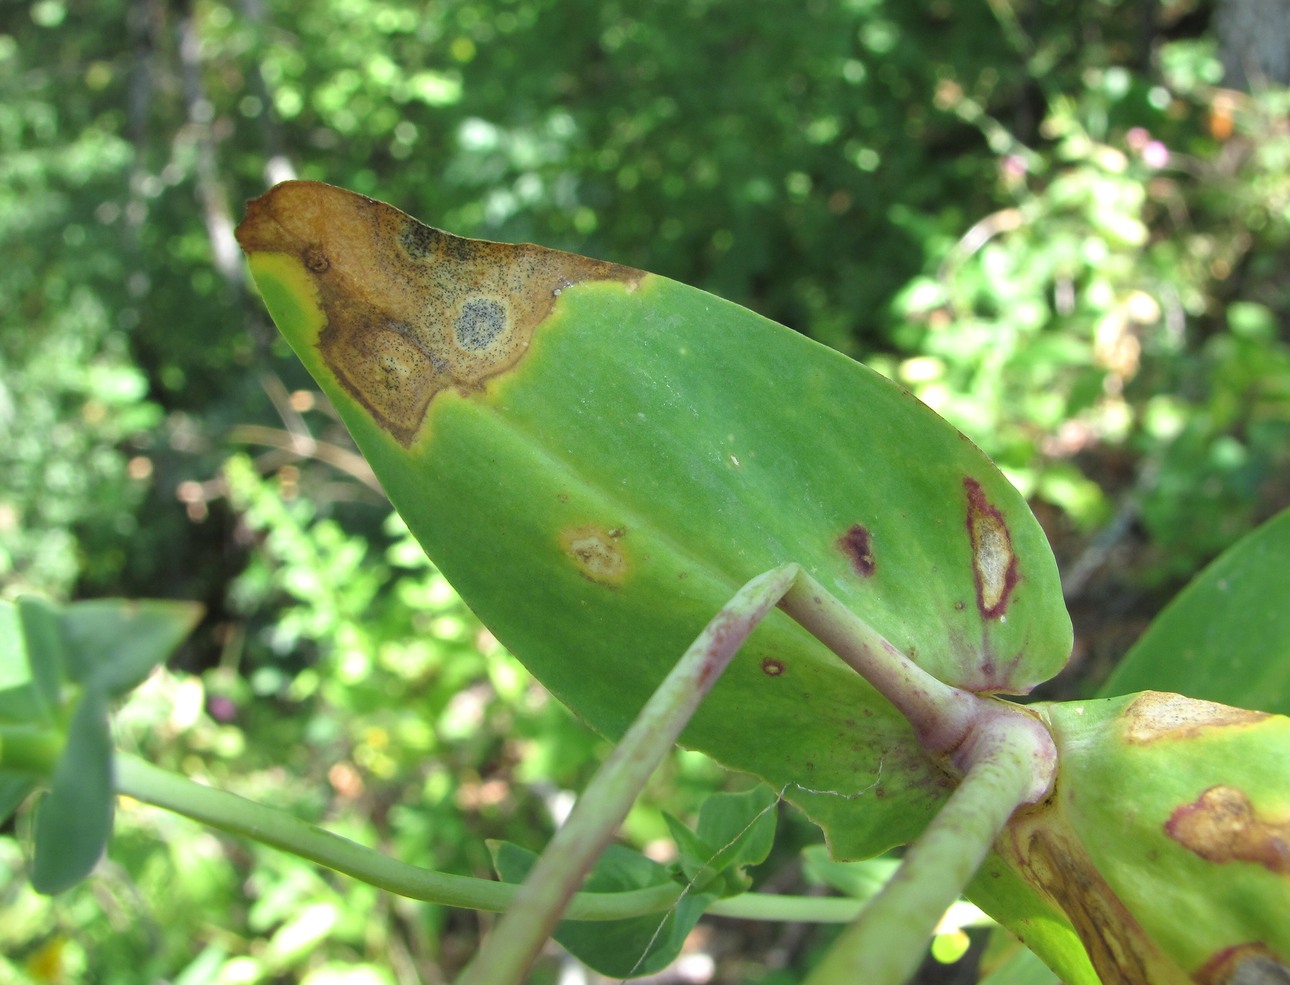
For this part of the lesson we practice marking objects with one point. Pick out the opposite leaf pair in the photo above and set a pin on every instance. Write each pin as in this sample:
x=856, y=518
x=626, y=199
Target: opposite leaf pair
x=60, y=667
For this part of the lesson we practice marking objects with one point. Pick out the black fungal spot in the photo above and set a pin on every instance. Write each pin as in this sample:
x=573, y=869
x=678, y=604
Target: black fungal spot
x=772, y=667
x=481, y=322
x=856, y=545
x=417, y=240
x=316, y=260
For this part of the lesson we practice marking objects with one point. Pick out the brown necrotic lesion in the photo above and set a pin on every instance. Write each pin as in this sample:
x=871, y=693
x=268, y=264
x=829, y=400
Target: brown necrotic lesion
x=994, y=564
x=597, y=553
x=411, y=311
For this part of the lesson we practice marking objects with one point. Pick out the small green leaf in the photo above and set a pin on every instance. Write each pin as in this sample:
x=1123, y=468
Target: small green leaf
x=204, y=969
x=861, y=880
x=74, y=820
x=33, y=662
x=741, y=825
x=1226, y=637
x=113, y=643
x=734, y=830
x=20, y=697
x=693, y=853
x=117, y=642
x=617, y=948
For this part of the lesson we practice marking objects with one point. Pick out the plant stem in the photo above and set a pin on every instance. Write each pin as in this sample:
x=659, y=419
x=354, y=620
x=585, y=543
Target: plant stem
x=238, y=816
x=940, y=714
x=885, y=945
x=519, y=936
x=269, y=826
x=787, y=909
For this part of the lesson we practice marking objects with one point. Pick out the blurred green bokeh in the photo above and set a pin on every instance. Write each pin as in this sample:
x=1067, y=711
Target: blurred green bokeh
x=1046, y=218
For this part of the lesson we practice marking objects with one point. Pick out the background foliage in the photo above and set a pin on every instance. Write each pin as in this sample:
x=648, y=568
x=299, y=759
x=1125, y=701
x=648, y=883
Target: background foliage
x=1048, y=218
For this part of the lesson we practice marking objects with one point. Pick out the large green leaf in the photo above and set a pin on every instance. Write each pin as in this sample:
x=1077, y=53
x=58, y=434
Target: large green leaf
x=597, y=458
x=1226, y=637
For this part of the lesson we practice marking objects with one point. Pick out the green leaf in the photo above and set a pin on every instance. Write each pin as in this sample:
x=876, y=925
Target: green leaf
x=33, y=661
x=734, y=830
x=74, y=820
x=13, y=791
x=109, y=644
x=597, y=459
x=1226, y=637
x=741, y=825
x=693, y=852
x=20, y=698
x=117, y=642
x=617, y=948
x=861, y=880
x=1164, y=791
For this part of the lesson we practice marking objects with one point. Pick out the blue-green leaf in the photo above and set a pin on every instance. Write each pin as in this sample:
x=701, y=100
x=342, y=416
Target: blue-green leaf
x=74, y=820
x=117, y=642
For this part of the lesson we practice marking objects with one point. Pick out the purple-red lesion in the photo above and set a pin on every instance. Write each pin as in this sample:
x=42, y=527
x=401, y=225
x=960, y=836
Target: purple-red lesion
x=772, y=667
x=1252, y=962
x=857, y=545
x=994, y=563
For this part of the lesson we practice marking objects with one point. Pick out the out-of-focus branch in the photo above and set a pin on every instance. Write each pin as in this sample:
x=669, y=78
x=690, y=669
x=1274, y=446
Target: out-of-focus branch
x=211, y=194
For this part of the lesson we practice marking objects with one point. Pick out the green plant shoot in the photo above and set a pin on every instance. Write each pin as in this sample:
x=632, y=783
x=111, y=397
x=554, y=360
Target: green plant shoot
x=600, y=459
